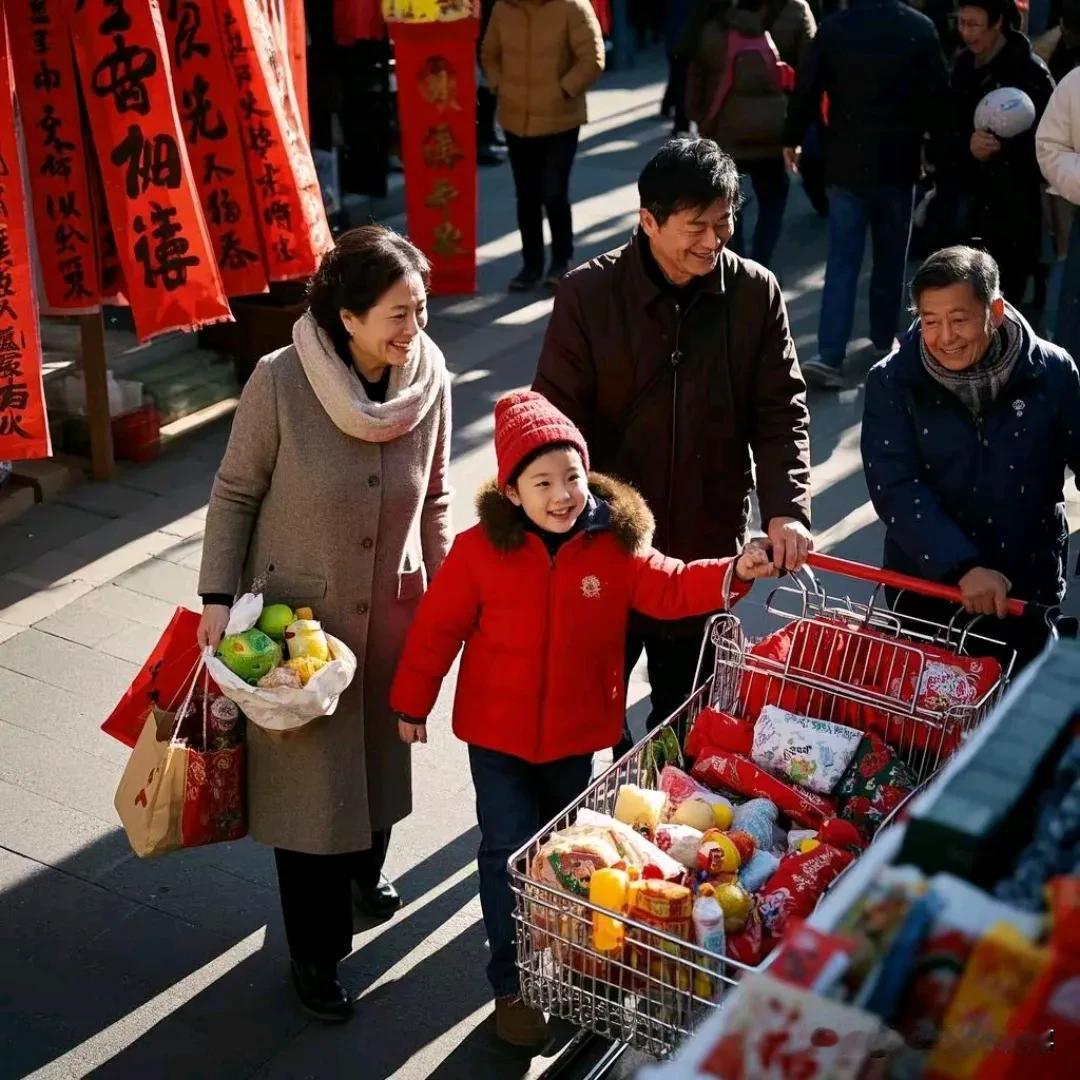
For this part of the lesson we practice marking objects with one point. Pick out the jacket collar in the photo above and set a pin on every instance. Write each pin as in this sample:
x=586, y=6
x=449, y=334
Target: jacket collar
x=907, y=365
x=648, y=290
x=613, y=507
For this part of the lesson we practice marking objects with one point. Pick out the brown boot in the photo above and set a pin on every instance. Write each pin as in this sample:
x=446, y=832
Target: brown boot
x=519, y=1024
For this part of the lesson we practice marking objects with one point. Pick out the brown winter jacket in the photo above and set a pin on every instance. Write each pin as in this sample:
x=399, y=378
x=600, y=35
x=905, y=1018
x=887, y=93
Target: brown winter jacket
x=540, y=56
x=750, y=124
x=674, y=401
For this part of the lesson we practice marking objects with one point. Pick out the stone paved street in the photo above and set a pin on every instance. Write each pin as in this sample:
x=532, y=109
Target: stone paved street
x=115, y=967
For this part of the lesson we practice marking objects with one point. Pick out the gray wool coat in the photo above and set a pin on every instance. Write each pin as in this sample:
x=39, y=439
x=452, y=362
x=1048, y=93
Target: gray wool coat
x=352, y=529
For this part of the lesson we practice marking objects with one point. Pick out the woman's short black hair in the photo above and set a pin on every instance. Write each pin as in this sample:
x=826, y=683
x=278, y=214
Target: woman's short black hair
x=355, y=274
x=953, y=266
x=687, y=174
x=539, y=452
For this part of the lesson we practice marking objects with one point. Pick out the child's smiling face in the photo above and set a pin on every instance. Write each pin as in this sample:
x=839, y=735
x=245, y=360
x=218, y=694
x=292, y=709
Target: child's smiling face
x=552, y=490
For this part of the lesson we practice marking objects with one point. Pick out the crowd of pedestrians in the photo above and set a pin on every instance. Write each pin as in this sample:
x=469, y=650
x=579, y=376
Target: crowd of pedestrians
x=669, y=369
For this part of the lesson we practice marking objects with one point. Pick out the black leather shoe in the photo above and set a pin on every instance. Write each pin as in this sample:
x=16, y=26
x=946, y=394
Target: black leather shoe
x=379, y=902
x=525, y=280
x=320, y=992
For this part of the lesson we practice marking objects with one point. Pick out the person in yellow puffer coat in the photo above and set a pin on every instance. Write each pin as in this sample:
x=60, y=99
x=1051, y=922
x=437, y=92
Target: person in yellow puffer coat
x=539, y=57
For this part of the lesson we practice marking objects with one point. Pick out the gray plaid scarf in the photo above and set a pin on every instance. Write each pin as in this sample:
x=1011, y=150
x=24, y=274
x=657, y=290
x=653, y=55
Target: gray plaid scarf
x=979, y=385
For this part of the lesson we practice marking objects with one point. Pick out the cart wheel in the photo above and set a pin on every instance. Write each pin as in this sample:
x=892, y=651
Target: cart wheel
x=585, y=1057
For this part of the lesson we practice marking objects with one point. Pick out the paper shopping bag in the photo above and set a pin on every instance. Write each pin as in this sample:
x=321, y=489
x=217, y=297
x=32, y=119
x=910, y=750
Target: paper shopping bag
x=150, y=795
x=162, y=681
x=184, y=785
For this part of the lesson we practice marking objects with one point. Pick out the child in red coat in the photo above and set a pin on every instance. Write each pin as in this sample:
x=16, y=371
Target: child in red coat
x=539, y=593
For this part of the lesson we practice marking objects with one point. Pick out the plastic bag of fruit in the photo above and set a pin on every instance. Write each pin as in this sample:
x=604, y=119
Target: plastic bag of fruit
x=279, y=665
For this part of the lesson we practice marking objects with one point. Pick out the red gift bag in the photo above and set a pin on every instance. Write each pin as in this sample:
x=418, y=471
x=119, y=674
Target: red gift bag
x=161, y=683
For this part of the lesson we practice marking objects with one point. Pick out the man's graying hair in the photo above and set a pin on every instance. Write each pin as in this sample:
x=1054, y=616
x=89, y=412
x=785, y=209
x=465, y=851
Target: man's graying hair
x=687, y=174
x=953, y=266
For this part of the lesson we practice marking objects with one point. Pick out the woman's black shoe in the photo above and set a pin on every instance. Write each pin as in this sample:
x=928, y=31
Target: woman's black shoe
x=380, y=902
x=320, y=992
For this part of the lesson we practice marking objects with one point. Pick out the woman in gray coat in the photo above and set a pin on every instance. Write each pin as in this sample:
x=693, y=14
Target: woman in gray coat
x=334, y=488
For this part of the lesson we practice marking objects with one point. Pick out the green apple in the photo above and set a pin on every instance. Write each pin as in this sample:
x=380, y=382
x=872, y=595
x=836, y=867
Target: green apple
x=250, y=654
x=275, y=619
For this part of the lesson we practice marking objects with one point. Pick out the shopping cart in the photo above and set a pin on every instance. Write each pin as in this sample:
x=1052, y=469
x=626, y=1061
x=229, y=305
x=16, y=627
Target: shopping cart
x=653, y=994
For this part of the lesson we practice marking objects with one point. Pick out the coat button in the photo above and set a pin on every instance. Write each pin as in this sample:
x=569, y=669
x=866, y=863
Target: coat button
x=373, y=480
x=361, y=608
x=367, y=543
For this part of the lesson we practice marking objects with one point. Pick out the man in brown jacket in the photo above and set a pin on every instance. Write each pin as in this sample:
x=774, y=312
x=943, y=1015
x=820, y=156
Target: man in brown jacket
x=675, y=359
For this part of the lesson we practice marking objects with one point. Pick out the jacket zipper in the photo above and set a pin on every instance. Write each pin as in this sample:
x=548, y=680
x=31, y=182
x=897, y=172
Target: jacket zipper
x=676, y=360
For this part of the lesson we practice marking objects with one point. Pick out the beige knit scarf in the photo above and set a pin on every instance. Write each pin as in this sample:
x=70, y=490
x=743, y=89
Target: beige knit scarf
x=414, y=386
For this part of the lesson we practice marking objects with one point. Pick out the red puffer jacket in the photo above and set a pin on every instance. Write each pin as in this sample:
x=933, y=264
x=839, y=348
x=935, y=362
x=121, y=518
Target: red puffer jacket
x=542, y=673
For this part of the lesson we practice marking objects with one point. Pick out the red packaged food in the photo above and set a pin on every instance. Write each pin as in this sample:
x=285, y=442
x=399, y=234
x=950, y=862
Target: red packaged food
x=794, y=890
x=719, y=729
x=721, y=769
x=748, y=945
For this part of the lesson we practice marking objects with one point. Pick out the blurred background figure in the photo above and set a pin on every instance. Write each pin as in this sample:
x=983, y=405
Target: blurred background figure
x=740, y=75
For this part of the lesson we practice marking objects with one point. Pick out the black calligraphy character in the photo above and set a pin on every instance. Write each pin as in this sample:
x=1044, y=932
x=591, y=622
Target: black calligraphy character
x=169, y=261
x=62, y=206
x=267, y=182
x=58, y=160
x=261, y=139
x=249, y=107
x=233, y=256
x=149, y=162
x=187, y=44
x=5, y=245
x=11, y=353
x=74, y=274
x=14, y=395
x=39, y=14
x=197, y=108
x=64, y=235
x=123, y=73
x=282, y=251
x=7, y=290
x=235, y=46
x=212, y=171
x=40, y=42
x=119, y=20
x=279, y=214
x=224, y=210
x=46, y=79
x=9, y=425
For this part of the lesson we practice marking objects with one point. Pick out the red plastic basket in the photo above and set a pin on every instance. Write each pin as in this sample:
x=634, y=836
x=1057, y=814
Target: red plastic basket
x=137, y=434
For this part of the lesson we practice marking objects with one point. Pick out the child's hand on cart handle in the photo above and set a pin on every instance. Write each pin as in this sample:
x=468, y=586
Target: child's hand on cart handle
x=791, y=542
x=411, y=731
x=755, y=561
x=986, y=592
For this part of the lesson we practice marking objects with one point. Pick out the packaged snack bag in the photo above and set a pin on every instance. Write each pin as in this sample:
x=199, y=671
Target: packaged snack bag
x=720, y=729
x=720, y=769
x=808, y=752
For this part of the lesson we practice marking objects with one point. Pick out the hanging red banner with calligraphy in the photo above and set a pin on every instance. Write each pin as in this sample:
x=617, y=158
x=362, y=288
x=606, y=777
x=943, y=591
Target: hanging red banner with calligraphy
x=170, y=273
x=206, y=96
x=56, y=154
x=291, y=215
x=110, y=269
x=436, y=79
x=24, y=429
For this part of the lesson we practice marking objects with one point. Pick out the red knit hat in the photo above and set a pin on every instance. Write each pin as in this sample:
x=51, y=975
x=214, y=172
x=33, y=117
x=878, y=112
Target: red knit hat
x=526, y=421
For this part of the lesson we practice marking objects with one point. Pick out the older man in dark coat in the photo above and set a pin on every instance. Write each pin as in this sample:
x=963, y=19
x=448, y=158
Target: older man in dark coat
x=674, y=357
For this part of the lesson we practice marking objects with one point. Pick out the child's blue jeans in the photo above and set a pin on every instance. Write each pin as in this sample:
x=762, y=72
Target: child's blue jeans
x=514, y=798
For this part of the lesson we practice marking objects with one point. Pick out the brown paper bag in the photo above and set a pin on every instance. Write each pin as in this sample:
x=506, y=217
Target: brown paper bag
x=150, y=796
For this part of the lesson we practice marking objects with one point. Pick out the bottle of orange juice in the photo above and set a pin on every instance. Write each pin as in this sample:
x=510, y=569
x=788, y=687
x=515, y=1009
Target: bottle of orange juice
x=608, y=888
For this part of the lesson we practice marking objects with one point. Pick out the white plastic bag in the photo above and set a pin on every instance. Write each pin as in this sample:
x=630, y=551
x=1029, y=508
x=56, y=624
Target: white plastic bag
x=283, y=708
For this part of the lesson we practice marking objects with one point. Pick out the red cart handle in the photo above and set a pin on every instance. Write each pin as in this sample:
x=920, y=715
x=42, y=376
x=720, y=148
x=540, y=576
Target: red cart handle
x=892, y=580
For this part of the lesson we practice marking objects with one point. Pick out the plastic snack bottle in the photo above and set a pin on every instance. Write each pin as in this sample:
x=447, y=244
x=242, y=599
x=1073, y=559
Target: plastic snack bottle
x=608, y=888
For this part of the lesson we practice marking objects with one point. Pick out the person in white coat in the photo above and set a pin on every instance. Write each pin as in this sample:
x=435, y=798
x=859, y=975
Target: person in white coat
x=1057, y=144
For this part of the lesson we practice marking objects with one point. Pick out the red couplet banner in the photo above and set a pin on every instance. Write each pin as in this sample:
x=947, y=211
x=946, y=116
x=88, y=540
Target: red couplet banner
x=204, y=90
x=57, y=151
x=170, y=272
x=24, y=430
x=436, y=78
x=291, y=215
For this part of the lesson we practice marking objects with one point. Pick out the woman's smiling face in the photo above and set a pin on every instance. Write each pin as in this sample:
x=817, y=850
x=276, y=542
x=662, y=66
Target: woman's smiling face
x=389, y=332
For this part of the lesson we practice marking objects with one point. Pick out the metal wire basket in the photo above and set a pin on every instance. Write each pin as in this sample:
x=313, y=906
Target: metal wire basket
x=654, y=992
